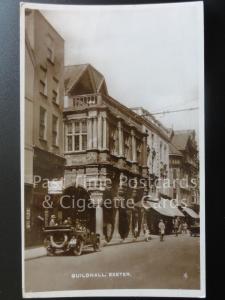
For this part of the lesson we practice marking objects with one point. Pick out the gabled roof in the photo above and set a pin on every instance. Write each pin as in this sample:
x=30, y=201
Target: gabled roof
x=174, y=151
x=73, y=74
x=180, y=138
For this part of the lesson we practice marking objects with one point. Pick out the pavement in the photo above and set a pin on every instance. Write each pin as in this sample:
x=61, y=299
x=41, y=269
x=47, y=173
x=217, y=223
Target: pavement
x=36, y=252
x=171, y=264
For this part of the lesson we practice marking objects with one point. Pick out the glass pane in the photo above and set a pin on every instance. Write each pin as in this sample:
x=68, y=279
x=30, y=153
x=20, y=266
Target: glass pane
x=84, y=126
x=69, y=128
x=84, y=142
x=42, y=116
x=54, y=96
x=77, y=127
x=54, y=123
x=54, y=138
x=41, y=132
x=77, y=142
x=69, y=143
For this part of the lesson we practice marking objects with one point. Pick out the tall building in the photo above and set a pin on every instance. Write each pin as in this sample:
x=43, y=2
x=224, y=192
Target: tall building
x=184, y=168
x=158, y=205
x=44, y=90
x=157, y=153
x=106, y=154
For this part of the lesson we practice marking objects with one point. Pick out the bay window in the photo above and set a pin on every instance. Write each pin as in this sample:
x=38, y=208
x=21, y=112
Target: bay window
x=76, y=135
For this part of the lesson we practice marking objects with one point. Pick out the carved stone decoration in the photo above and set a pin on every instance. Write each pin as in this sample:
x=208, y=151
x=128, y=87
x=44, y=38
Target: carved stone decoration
x=103, y=157
x=92, y=157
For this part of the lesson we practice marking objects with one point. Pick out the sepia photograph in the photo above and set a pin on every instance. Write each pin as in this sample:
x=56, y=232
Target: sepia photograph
x=112, y=150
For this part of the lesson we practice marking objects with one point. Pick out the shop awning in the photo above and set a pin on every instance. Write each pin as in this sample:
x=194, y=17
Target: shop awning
x=164, y=207
x=167, y=208
x=191, y=212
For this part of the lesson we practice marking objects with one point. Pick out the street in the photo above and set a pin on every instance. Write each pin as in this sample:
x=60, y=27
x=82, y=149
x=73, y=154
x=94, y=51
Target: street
x=171, y=264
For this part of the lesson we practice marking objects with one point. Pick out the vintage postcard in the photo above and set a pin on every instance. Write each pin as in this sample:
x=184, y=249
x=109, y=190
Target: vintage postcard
x=112, y=150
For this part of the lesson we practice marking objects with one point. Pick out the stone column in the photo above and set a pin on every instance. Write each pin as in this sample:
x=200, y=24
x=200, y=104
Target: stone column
x=116, y=225
x=99, y=99
x=95, y=134
x=144, y=150
x=90, y=137
x=134, y=147
x=130, y=227
x=120, y=133
x=99, y=220
x=97, y=200
x=145, y=166
x=99, y=132
x=105, y=144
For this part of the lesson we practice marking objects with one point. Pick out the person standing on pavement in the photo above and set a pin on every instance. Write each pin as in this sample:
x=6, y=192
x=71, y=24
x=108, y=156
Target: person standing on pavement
x=176, y=226
x=185, y=227
x=162, y=228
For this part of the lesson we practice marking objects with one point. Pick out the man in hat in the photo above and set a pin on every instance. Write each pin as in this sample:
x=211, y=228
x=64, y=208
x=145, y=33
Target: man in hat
x=53, y=221
x=162, y=228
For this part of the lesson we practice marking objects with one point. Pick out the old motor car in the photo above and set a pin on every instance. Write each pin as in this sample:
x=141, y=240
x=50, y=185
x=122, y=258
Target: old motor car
x=66, y=238
x=195, y=229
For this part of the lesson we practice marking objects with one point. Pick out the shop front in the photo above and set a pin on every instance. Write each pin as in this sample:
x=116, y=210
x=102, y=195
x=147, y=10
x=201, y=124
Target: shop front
x=165, y=210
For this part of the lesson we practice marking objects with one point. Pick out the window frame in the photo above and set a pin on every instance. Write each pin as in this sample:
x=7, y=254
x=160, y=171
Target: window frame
x=55, y=131
x=43, y=124
x=43, y=82
x=79, y=134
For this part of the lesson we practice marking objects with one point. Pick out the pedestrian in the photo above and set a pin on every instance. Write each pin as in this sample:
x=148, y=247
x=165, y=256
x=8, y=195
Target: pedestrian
x=147, y=235
x=162, y=228
x=53, y=221
x=185, y=226
x=176, y=226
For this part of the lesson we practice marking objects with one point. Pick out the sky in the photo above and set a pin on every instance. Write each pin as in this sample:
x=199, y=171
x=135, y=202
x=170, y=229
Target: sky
x=150, y=55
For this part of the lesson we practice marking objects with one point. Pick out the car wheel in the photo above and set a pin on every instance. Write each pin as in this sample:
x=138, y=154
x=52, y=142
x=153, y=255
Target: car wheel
x=78, y=248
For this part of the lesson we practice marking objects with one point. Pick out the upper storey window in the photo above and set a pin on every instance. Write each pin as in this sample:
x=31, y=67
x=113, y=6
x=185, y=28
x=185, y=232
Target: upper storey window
x=43, y=81
x=113, y=141
x=54, y=130
x=55, y=90
x=42, y=123
x=50, y=48
x=76, y=136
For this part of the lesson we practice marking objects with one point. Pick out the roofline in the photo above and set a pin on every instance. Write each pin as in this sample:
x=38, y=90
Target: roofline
x=153, y=126
x=37, y=11
x=30, y=50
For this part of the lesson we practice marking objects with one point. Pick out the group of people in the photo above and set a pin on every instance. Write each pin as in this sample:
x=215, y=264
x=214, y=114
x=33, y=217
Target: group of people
x=68, y=221
x=178, y=227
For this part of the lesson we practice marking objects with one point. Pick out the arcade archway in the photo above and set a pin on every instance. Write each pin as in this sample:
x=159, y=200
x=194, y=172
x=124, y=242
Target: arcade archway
x=76, y=205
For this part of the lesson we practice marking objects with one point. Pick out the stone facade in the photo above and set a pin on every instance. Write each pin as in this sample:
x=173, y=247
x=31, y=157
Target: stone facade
x=157, y=154
x=44, y=90
x=184, y=170
x=104, y=145
x=104, y=152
